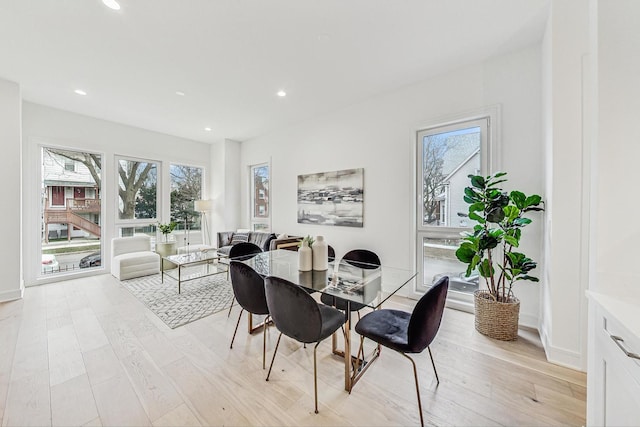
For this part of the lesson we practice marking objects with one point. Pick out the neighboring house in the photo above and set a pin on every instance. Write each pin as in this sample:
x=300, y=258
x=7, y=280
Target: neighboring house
x=71, y=199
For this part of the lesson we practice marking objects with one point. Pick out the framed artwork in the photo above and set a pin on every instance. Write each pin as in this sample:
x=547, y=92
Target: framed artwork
x=332, y=198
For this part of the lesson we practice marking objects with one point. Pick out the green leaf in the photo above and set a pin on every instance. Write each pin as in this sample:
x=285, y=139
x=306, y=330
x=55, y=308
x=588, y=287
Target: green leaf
x=478, y=182
x=487, y=241
x=519, y=199
x=512, y=241
x=521, y=221
x=511, y=212
x=474, y=216
x=485, y=268
x=499, y=174
x=495, y=215
x=494, y=183
x=465, y=253
x=533, y=200
x=475, y=207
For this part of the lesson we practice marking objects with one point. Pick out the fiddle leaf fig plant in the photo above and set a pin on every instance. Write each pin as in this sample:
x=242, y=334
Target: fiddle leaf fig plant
x=491, y=247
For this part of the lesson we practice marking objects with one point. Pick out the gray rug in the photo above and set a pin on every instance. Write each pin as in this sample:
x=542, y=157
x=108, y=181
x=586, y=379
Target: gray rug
x=198, y=298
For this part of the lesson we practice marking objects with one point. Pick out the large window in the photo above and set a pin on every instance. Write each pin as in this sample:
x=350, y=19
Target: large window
x=447, y=154
x=186, y=188
x=71, y=210
x=260, y=197
x=137, y=190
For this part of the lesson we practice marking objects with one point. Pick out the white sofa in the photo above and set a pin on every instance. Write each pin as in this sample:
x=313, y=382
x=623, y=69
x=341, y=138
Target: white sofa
x=132, y=257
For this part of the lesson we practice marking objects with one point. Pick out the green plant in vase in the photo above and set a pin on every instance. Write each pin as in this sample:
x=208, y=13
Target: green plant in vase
x=165, y=229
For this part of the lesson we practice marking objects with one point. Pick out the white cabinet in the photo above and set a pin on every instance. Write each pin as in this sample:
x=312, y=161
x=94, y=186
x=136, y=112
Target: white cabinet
x=613, y=381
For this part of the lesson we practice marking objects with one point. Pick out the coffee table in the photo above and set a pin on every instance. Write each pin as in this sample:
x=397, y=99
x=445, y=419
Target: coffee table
x=194, y=265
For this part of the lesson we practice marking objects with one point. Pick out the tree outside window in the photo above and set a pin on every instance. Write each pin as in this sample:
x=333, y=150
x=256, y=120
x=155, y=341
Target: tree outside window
x=186, y=187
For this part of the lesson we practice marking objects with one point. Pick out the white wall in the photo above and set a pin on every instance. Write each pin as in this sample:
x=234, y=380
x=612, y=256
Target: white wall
x=563, y=321
x=225, y=158
x=11, y=286
x=44, y=125
x=379, y=136
x=618, y=149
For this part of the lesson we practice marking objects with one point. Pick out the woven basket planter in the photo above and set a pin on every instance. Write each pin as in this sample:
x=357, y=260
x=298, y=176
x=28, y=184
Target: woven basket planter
x=496, y=319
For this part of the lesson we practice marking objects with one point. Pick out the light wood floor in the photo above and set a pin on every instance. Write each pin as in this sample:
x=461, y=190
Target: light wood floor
x=86, y=352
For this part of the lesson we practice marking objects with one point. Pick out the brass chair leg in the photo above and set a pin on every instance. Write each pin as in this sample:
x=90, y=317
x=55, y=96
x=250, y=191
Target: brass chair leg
x=315, y=375
x=231, y=307
x=264, y=341
x=274, y=355
x=236, y=331
x=415, y=376
x=434, y=365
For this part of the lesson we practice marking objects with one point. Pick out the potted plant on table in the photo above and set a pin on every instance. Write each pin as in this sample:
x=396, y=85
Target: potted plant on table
x=166, y=248
x=165, y=229
x=491, y=248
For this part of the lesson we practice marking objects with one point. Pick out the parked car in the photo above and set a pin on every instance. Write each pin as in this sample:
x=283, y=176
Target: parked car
x=460, y=282
x=49, y=263
x=91, y=260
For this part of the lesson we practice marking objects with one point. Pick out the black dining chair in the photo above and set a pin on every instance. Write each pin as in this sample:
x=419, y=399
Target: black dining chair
x=242, y=251
x=248, y=290
x=362, y=258
x=297, y=315
x=408, y=332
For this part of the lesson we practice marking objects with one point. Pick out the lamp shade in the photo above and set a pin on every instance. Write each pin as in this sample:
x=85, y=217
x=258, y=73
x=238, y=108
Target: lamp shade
x=202, y=205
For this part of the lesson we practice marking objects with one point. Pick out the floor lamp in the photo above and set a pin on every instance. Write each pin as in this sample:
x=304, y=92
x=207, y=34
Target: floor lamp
x=203, y=206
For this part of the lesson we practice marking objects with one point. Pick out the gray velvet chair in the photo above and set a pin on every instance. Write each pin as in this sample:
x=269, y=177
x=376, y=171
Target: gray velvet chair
x=248, y=290
x=408, y=332
x=297, y=315
x=240, y=252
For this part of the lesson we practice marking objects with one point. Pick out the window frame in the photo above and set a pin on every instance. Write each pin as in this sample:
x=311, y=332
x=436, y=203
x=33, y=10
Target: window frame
x=490, y=149
x=263, y=223
x=135, y=222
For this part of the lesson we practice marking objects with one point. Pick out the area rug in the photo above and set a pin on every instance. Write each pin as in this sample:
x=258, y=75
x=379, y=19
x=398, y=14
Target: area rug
x=198, y=298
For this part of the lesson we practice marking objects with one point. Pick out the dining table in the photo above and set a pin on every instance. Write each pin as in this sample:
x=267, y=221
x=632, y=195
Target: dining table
x=354, y=282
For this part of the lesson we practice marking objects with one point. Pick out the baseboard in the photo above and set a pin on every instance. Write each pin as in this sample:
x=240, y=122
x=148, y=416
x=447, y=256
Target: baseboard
x=12, y=295
x=562, y=356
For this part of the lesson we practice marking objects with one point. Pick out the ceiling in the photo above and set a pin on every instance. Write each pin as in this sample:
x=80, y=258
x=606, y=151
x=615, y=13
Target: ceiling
x=230, y=57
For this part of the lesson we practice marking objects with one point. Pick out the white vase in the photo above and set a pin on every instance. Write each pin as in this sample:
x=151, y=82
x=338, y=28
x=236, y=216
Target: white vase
x=304, y=257
x=320, y=254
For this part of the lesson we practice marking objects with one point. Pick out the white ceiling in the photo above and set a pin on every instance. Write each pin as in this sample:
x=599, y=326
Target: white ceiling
x=230, y=57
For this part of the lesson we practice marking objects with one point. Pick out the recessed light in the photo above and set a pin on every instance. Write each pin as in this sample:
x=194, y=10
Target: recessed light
x=80, y=92
x=282, y=93
x=207, y=129
x=111, y=4
x=179, y=93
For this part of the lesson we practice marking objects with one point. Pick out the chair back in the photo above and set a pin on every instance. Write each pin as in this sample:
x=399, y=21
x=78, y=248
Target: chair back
x=244, y=250
x=294, y=312
x=362, y=258
x=427, y=315
x=331, y=253
x=248, y=288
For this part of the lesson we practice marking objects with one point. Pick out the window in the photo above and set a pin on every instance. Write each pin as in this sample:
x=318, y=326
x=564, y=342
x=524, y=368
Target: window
x=447, y=154
x=186, y=188
x=260, y=197
x=137, y=190
x=71, y=211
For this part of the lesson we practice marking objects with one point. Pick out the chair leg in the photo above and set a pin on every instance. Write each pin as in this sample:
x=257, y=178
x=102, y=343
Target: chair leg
x=415, y=376
x=236, y=331
x=274, y=355
x=231, y=307
x=264, y=340
x=315, y=376
x=434, y=365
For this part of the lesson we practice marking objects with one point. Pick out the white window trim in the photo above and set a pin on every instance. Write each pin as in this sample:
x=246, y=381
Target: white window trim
x=125, y=223
x=491, y=162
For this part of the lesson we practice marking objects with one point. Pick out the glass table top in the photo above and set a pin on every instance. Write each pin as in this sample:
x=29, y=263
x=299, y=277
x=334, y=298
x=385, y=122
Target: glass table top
x=195, y=257
x=366, y=284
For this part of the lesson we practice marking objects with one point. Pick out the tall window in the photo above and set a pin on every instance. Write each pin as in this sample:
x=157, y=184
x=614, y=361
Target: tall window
x=260, y=197
x=138, y=200
x=71, y=210
x=186, y=188
x=446, y=156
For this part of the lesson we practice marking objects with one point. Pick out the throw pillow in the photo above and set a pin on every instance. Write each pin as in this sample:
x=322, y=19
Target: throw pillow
x=282, y=236
x=239, y=238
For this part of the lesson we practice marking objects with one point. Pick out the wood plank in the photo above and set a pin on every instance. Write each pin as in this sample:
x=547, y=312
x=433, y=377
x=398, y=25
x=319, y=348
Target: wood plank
x=28, y=402
x=118, y=404
x=72, y=402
